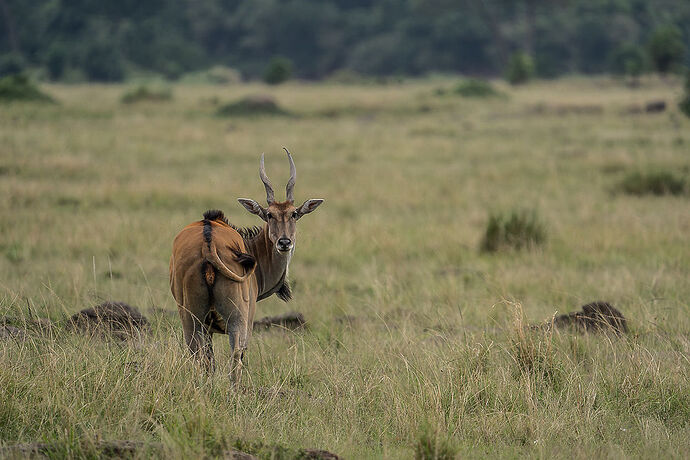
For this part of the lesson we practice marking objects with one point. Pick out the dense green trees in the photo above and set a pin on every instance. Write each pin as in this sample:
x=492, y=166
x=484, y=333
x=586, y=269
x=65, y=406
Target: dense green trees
x=107, y=41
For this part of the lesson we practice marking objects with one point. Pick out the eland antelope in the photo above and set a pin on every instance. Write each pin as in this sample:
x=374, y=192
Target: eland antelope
x=218, y=271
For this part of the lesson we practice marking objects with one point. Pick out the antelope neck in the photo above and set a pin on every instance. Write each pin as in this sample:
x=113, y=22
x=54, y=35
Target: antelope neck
x=272, y=266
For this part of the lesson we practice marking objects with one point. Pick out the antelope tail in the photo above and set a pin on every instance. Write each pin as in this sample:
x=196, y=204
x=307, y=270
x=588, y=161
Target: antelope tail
x=210, y=253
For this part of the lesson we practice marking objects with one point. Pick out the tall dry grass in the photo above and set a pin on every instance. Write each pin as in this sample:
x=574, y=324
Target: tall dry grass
x=418, y=342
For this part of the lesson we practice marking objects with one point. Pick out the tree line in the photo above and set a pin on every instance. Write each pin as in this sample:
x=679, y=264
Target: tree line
x=109, y=41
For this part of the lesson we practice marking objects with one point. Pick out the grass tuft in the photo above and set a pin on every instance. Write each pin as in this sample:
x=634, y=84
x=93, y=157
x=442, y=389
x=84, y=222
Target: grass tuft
x=251, y=106
x=653, y=183
x=476, y=88
x=146, y=94
x=516, y=230
x=434, y=444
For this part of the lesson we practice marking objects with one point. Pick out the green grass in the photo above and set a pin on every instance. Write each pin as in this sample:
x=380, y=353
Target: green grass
x=418, y=343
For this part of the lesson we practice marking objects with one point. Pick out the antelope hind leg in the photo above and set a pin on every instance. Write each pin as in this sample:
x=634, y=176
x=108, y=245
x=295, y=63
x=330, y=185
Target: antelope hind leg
x=198, y=339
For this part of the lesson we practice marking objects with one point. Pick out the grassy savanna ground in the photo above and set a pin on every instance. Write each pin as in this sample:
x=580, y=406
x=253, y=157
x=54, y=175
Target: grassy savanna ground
x=414, y=335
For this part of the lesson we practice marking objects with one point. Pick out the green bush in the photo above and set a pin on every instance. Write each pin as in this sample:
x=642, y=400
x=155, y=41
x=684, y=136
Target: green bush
x=146, y=94
x=475, y=88
x=517, y=230
x=216, y=75
x=278, y=71
x=251, y=106
x=652, y=183
x=11, y=64
x=666, y=48
x=684, y=103
x=520, y=68
x=18, y=87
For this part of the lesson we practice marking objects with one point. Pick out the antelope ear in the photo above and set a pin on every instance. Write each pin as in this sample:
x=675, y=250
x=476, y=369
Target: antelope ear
x=253, y=207
x=308, y=206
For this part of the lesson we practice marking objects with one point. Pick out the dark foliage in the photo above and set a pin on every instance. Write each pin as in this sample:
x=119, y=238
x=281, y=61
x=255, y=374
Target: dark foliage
x=475, y=88
x=11, y=64
x=251, y=106
x=146, y=94
x=107, y=40
x=520, y=68
x=18, y=87
x=652, y=183
x=278, y=71
x=516, y=230
x=684, y=103
x=666, y=48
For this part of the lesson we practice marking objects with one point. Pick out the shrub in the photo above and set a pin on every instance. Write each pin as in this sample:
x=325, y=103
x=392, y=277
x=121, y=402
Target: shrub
x=18, y=87
x=146, y=94
x=431, y=444
x=251, y=106
x=475, y=88
x=684, y=103
x=666, y=48
x=517, y=230
x=11, y=64
x=216, y=75
x=520, y=68
x=278, y=71
x=652, y=183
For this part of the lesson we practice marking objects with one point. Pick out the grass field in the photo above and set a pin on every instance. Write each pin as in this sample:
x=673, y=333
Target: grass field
x=417, y=342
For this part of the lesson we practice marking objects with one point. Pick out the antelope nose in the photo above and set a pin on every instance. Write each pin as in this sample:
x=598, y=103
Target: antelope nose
x=284, y=244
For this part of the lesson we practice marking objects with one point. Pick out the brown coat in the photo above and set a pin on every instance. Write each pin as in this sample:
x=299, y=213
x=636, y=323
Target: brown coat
x=211, y=279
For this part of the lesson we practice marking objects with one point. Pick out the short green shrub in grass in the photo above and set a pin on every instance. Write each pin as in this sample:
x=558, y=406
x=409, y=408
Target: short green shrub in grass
x=653, y=183
x=146, y=94
x=475, y=88
x=18, y=87
x=278, y=71
x=520, y=68
x=516, y=230
x=684, y=103
x=251, y=106
x=433, y=444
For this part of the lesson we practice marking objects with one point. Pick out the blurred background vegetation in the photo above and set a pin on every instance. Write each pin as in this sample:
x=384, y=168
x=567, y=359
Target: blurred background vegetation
x=92, y=40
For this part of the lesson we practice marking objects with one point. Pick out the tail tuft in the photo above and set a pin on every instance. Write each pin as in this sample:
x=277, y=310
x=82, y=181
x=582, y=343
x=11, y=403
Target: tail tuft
x=209, y=273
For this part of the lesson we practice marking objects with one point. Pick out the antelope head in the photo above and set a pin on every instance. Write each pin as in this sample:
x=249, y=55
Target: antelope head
x=280, y=217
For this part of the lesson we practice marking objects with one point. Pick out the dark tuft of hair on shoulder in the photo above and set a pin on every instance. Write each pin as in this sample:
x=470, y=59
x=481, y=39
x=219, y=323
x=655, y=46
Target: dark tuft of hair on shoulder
x=215, y=214
x=285, y=293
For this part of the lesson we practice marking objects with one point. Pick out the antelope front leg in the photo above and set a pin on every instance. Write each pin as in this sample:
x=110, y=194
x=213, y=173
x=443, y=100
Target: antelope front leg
x=237, y=351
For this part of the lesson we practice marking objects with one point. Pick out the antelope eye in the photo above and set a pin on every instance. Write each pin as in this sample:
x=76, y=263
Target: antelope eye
x=294, y=215
x=270, y=216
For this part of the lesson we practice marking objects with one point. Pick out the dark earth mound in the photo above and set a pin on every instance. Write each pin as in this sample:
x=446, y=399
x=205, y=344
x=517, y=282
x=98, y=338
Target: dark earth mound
x=292, y=320
x=595, y=317
x=119, y=319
